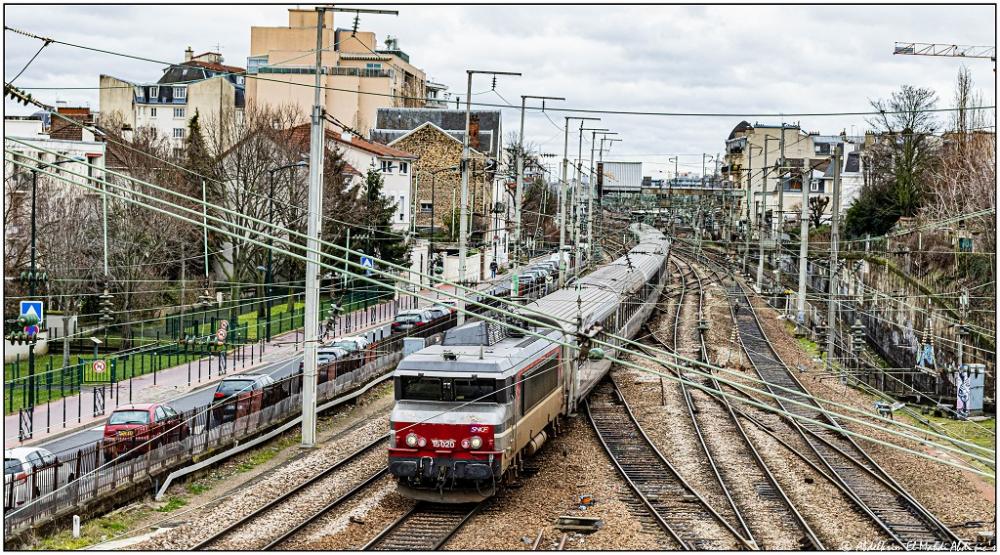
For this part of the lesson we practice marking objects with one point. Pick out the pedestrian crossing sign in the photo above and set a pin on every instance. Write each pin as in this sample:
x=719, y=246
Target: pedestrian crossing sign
x=368, y=264
x=33, y=308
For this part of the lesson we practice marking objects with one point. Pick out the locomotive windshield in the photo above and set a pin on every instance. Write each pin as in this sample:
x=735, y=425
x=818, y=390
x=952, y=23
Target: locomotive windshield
x=463, y=390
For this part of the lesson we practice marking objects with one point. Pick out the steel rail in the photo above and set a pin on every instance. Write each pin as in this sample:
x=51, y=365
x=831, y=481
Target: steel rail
x=295, y=490
x=866, y=482
x=425, y=527
x=654, y=474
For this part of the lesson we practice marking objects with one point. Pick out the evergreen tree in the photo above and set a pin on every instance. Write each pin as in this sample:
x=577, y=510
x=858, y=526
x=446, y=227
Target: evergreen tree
x=379, y=239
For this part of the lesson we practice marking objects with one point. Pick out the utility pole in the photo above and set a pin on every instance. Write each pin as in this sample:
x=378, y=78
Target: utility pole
x=670, y=195
x=463, y=224
x=800, y=317
x=578, y=224
x=519, y=191
x=761, y=216
x=748, y=191
x=831, y=314
x=600, y=154
x=313, y=228
x=592, y=190
x=563, y=192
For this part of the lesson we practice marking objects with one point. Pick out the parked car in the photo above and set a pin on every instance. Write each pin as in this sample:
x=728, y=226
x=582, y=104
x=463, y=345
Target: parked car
x=239, y=396
x=29, y=472
x=439, y=312
x=139, y=428
x=326, y=355
x=410, y=319
x=450, y=304
x=350, y=343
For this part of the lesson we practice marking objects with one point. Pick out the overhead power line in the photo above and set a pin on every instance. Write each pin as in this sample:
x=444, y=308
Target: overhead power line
x=648, y=113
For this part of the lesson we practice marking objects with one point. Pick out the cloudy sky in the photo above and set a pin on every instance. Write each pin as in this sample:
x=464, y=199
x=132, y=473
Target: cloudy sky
x=739, y=60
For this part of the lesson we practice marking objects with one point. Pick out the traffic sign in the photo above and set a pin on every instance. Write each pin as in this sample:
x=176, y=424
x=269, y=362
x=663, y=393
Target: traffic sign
x=34, y=309
x=221, y=335
x=100, y=366
x=368, y=264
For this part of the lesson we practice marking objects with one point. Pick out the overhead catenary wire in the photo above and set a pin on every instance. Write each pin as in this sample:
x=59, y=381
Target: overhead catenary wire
x=507, y=106
x=130, y=199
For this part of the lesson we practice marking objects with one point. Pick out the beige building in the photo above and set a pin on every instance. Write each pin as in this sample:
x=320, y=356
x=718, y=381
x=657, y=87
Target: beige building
x=360, y=78
x=202, y=84
x=753, y=153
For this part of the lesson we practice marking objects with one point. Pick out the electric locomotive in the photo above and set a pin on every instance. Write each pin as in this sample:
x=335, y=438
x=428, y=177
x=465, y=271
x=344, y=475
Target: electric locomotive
x=471, y=408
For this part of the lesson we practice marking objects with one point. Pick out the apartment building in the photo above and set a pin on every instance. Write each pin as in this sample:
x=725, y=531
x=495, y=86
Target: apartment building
x=201, y=84
x=359, y=78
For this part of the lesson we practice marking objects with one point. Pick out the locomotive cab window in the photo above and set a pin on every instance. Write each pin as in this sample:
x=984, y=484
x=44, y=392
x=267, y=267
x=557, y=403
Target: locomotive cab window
x=479, y=390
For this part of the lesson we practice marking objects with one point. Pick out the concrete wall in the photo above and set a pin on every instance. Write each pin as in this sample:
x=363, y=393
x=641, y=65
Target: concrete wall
x=116, y=99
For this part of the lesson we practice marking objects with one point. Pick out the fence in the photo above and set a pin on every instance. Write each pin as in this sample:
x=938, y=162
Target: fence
x=192, y=341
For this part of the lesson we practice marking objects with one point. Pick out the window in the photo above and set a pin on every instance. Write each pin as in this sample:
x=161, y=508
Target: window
x=814, y=187
x=404, y=167
x=154, y=92
x=180, y=92
x=179, y=132
x=152, y=112
x=11, y=466
x=420, y=388
x=426, y=207
x=386, y=166
x=178, y=112
x=538, y=383
x=254, y=63
x=129, y=417
x=373, y=65
x=159, y=415
x=139, y=93
x=402, y=207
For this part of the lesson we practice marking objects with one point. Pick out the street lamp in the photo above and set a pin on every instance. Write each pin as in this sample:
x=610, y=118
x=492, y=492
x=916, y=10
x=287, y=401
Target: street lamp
x=270, y=241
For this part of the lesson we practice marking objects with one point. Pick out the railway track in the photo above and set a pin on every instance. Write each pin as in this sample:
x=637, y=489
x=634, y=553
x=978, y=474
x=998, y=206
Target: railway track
x=865, y=482
x=679, y=510
x=783, y=520
x=284, y=505
x=425, y=527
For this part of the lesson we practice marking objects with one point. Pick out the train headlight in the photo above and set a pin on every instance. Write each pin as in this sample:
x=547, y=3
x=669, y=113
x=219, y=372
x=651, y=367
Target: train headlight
x=411, y=440
x=465, y=443
x=475, y=442
x=421, y=442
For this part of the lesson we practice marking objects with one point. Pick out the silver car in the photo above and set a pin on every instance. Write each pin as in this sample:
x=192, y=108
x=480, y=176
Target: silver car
x=32, y=472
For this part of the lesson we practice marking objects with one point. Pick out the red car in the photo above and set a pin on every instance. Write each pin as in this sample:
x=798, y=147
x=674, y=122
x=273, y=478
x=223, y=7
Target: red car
x=139, y=428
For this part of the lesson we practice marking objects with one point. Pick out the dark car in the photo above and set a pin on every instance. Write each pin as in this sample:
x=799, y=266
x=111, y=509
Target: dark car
x=139, y=428
x=409, y=319
x=240, y=395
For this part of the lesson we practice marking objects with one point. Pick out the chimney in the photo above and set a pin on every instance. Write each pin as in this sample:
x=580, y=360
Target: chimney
x=474, y=131
x=188, y=54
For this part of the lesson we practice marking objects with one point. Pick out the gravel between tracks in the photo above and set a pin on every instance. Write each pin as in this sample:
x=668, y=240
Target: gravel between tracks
x=571, y=465
x=954, y=496
x=256, y=493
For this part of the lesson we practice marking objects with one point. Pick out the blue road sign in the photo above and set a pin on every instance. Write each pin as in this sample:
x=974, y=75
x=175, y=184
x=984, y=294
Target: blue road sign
x=36, y=308
x=368, y=264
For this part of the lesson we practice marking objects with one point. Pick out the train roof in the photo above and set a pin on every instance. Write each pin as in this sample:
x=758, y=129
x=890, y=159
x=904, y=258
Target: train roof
x=478, y=347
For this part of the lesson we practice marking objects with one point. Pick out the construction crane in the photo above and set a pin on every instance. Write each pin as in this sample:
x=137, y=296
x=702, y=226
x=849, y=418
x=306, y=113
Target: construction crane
x=947, y=50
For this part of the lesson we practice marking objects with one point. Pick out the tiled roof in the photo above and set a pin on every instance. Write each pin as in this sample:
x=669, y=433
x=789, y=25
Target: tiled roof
x=300, y=135
x=213, y=66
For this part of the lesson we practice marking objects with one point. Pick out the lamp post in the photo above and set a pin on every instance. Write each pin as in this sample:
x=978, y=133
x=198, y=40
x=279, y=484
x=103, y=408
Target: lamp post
x=270, y=241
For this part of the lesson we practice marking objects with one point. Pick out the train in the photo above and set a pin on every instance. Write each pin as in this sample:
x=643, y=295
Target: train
x=470, y=410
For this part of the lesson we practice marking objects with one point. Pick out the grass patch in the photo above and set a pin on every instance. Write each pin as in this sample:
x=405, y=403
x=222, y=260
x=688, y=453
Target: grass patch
x=197, y=488
x=172, y=504
x=265, y=454
x=92, y=531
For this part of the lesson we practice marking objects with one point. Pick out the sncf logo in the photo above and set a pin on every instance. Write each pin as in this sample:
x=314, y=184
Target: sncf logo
x=443, y=443
x=479, y=429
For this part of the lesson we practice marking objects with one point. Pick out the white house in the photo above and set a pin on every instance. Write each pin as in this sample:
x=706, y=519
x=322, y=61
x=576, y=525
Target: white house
x=395, y=165
x=201, y=84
